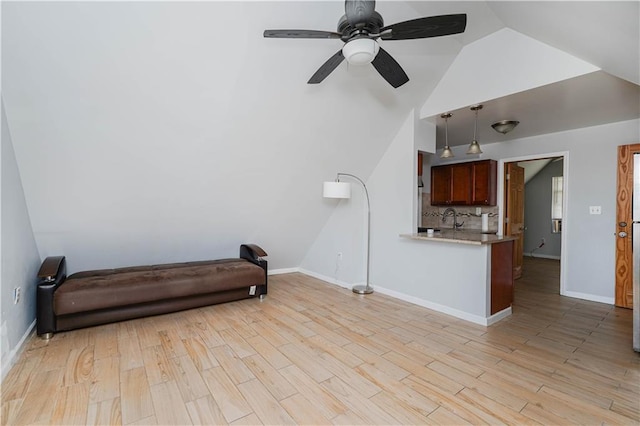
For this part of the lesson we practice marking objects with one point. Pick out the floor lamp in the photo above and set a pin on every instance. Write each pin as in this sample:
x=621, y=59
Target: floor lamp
x=339, y=189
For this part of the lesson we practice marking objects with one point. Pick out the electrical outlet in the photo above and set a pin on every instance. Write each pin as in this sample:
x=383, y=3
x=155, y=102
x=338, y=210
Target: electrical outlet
x=16, y=295
x=595, y=210
x=478, y=211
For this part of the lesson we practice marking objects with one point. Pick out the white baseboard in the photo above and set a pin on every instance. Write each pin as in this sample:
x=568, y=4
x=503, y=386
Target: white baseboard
x=543, y=256
x=590, y=297
x=498, y=316
x=283, y=271
x=13, y=355
x=476, y=319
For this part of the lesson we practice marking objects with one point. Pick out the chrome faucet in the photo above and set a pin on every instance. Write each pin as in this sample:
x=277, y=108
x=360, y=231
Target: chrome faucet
x=456, y=225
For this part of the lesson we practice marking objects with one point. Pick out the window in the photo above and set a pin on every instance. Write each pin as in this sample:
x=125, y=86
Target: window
x=556, y=204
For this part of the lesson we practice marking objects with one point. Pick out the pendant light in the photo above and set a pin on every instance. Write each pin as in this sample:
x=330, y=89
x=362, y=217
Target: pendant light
x=446, y=152
x=474, y=147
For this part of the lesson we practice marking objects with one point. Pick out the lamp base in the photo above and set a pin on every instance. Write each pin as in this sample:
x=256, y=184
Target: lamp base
x=362, y=289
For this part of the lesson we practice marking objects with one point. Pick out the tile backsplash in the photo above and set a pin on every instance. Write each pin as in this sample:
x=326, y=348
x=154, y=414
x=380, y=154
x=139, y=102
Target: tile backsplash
x=432, y=216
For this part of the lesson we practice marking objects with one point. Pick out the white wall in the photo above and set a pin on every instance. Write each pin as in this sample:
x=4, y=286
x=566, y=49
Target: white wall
x=151, y=132
x=345, y=232
x=20, y=260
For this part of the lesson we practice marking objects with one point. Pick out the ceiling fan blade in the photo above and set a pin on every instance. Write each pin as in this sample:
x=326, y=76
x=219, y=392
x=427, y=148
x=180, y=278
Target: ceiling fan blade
x=432, y=26
x=359, y=12
x=327, y=68
x=300, y=34
x=389, y=69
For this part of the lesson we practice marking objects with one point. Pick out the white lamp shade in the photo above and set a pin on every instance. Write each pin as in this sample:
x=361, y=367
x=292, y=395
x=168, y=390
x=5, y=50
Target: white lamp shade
x=336, y=190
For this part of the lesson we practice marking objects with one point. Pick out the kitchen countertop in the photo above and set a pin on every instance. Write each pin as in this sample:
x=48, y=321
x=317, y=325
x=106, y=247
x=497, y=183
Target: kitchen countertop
x=460, y=237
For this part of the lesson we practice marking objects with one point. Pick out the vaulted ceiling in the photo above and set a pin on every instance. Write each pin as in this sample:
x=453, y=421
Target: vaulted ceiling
x=605, y=34
x=152, y=131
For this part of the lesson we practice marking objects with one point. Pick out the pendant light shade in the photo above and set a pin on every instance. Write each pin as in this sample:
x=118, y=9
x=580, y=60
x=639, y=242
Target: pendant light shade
x=446, y=152
x=474, y=147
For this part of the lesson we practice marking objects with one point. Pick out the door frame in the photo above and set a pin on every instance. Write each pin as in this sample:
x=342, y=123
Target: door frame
x=565, y=204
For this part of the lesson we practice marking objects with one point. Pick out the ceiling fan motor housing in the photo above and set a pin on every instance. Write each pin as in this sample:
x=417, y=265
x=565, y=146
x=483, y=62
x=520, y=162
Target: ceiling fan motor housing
x=370, y=27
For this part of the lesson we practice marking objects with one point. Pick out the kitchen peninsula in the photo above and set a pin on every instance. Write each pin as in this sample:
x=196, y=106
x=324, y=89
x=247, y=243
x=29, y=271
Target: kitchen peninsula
x=478, y=269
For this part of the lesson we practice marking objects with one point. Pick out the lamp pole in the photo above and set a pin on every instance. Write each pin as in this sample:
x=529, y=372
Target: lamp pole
x=363, y=289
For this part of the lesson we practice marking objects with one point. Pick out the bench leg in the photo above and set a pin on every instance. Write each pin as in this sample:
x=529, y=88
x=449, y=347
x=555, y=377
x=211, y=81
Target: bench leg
x=262, y=296
x=46, y=336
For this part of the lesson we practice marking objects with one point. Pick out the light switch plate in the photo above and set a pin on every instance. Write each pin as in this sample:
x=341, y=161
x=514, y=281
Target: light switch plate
x=595, y=210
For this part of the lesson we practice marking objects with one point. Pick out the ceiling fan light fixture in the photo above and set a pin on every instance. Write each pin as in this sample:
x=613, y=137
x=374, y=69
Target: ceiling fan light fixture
x=474, y=146
x=505, y=126
x=360, y=51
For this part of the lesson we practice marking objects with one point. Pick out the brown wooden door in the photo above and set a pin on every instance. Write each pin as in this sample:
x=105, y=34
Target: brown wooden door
x=461, y=184
x=440, y=185
x=514, y=220
x=624, y=200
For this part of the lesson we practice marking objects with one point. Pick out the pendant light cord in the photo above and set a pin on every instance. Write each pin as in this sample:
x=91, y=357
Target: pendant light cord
x=446, y=131
x=475, y=126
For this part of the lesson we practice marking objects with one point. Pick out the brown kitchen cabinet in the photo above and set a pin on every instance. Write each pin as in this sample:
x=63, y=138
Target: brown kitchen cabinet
x=464, y=184
x=484, y=183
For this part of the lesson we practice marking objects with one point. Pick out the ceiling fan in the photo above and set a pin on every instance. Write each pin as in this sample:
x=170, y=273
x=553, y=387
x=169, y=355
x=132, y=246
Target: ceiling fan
x=362, y=26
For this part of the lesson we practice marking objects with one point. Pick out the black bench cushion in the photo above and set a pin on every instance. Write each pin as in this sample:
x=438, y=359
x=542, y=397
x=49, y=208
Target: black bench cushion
x=109, y=288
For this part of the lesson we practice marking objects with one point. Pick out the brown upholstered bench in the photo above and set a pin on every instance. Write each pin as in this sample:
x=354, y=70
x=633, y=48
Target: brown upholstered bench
x=98, y=297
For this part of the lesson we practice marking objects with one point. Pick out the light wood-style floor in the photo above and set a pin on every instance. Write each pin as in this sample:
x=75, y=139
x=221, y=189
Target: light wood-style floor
x=314, y=353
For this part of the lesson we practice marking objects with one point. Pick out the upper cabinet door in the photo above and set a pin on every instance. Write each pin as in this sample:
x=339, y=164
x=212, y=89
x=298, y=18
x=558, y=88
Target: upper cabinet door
x=484, y=183
x=461, y=184
x=440, y=185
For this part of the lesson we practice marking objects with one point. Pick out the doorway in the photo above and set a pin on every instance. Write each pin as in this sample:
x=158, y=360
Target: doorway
x=511, y=223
